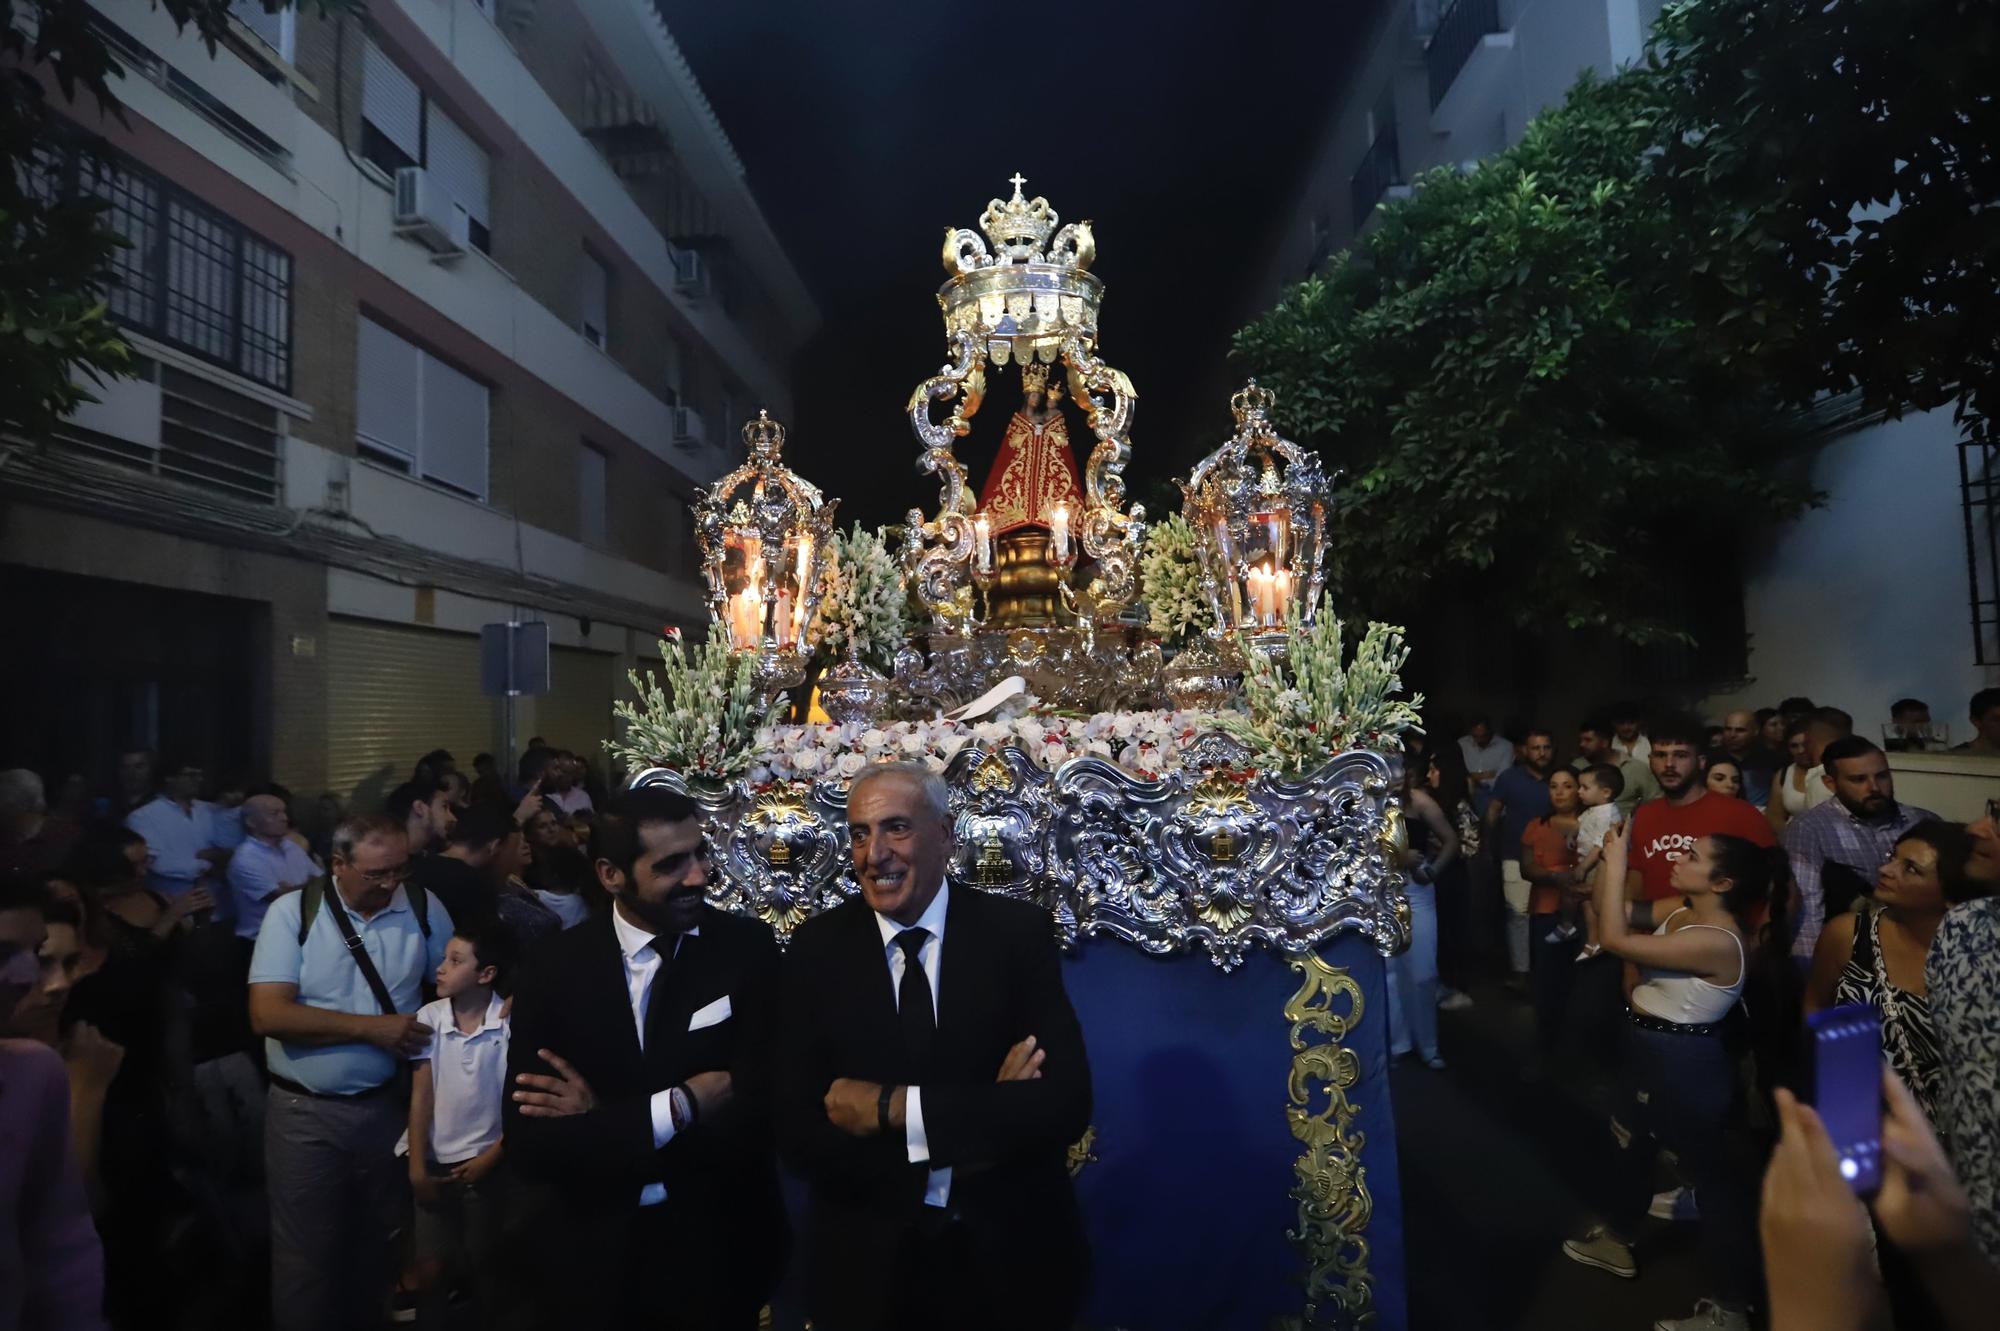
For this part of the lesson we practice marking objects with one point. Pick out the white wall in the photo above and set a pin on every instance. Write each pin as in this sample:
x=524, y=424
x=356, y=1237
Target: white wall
x=1865, y=600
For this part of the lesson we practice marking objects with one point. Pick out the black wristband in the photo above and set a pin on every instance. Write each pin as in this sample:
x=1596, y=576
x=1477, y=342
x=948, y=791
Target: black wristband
x=882, y=1106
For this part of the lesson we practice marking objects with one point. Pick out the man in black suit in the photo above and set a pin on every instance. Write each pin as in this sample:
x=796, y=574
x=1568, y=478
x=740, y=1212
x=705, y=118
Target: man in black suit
x=931, y=1078
x=640, y=1065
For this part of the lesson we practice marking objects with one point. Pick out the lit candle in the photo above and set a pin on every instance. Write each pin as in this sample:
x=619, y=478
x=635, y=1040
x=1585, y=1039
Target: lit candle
x=982, y=544
x=1059, y=531
x=1259, y=589
x=781, y=622
x=1281, y=596
x=743, y=623
x=805, y=563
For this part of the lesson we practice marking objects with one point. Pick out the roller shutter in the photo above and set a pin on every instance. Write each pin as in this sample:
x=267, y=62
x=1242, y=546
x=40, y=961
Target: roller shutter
x=575, y=713
x=393, y=694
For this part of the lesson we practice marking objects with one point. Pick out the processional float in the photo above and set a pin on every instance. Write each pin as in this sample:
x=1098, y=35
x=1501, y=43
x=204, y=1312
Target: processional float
x=1224, y=920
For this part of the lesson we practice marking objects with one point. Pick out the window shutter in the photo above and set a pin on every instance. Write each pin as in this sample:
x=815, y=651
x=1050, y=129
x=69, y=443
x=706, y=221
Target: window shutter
x=388, y=392
x=391, y=103
x=454, y=425
x=456, y=164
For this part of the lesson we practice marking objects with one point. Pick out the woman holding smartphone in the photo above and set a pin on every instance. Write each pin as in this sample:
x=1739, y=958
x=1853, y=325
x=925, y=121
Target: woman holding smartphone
x=1692, y=966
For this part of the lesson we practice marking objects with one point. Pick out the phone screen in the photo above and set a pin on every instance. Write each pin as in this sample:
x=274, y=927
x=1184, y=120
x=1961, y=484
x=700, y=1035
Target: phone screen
x=1847, y=1089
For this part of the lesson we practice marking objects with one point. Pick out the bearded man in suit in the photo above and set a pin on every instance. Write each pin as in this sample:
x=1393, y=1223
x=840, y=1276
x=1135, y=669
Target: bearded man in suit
x=639, y=1076
x=932, y=1076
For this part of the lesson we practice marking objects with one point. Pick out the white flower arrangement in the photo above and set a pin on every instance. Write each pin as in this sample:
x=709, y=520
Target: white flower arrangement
x=1147, y=744
x=704, y=723
x=1319, y=704
x=861, y=595
x=1170, y=581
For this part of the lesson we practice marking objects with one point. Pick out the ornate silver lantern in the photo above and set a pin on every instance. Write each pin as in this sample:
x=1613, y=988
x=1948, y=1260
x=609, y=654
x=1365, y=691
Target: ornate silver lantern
x=1258, y=507
x=764, y=532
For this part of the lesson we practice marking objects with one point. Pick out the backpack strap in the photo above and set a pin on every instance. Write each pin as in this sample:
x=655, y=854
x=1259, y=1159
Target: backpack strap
x=310, y=897
x=314, y=893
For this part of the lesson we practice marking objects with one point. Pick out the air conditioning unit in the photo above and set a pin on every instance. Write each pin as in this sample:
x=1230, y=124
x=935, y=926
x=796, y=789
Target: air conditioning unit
x=690, y=273
x=688, y=431
x=428, y=215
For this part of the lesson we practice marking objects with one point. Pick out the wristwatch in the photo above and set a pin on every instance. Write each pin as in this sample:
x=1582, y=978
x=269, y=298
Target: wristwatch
x=882, y=1106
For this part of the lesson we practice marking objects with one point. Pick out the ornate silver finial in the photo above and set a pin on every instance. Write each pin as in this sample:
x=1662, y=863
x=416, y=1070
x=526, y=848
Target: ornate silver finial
x=764, y=438
x=1250, y=400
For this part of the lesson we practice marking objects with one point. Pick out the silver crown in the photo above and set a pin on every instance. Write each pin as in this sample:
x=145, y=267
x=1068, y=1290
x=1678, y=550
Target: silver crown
x=1018, y=289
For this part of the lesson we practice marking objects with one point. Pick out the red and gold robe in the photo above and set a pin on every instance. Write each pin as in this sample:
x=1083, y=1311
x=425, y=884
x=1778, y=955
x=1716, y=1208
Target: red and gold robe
x=1033, y=473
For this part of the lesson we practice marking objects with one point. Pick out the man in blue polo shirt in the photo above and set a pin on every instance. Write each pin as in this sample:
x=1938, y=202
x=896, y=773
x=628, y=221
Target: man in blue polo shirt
x=338, y=1098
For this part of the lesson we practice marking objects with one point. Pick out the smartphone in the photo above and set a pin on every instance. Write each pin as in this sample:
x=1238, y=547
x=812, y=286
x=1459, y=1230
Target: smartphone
x=1847, y=1089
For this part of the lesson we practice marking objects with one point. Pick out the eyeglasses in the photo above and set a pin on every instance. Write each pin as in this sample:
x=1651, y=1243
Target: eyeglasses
x=389, y=877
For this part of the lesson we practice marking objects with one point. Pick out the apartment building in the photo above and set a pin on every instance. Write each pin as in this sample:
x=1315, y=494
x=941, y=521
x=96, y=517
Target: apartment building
x=1891, y=589
x=440, y=313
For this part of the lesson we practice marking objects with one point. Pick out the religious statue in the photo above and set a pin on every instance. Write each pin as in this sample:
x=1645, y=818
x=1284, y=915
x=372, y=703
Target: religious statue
x=1035, y=472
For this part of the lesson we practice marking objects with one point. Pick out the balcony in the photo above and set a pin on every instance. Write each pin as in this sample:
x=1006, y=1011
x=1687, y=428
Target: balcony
x=1459, y=33
x=1380, y=170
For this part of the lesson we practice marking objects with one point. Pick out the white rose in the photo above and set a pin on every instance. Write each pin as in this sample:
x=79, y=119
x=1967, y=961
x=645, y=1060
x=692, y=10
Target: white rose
x=912, y=744
x=764, y=737
x=1100, y=747
x=806, y=760
x=991, y=732
x=1123, y=723
x=949, y=744
x=872, y=738
x=935, y=763
x=1030, y=729
x=848, y=764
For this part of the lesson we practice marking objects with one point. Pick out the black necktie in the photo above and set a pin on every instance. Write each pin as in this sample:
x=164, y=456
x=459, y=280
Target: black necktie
x=913, y=1002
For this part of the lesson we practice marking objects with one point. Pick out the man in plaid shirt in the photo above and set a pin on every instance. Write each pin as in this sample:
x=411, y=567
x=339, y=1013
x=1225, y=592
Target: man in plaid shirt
x=1857, y=828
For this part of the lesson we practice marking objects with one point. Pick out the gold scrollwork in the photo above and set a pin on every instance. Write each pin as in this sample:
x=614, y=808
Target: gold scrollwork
x=991, y=775
x=1080, y=1153
x=1332, y=1186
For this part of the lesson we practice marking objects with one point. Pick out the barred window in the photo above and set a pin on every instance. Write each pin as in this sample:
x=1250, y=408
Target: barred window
x=190, y=275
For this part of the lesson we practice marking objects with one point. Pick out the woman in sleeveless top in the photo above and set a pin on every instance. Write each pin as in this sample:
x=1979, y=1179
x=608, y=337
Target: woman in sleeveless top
x=1692, y=966
x=1788, y=788
x=1875, y=955
x=1413, y=972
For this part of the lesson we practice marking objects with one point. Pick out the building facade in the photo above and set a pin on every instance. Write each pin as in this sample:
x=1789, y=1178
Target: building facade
x=1891, y=589
x=440, y=313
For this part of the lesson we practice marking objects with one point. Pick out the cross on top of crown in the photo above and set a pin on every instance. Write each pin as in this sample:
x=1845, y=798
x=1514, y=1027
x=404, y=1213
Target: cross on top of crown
x=1018, y=181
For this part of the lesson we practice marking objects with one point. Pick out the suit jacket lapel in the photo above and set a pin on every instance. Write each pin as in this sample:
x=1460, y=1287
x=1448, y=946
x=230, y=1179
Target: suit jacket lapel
x=868, y=973
x=959, y=973
x=607, y=974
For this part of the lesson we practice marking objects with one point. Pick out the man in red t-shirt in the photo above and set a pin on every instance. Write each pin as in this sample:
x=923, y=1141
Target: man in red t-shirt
x=1665, y=829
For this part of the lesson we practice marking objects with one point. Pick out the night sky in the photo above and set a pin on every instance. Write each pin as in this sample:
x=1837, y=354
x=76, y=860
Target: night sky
x=1178, y=127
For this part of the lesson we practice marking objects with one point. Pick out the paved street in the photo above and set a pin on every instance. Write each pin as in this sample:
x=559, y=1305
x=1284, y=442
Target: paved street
x=1490, y=1161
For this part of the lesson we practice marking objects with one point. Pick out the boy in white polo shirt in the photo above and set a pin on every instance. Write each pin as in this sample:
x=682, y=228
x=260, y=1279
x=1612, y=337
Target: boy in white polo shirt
x=453, y=1141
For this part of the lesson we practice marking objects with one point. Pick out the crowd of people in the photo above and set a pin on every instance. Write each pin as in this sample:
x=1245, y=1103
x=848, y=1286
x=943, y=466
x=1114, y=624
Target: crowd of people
x=485, y=1056
x=1674, y=904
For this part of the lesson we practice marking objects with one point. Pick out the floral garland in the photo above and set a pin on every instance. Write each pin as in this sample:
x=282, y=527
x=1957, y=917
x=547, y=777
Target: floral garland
x=1319, y=704
x=704, y=724
x=861, y=595
x=1147, y=744
x=1170, y=581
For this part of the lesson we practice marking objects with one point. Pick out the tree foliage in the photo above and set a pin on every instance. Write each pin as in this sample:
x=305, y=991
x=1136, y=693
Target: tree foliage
x=55, y=251
x=1511, y=371
x=1854, y=145
x=1536, y=372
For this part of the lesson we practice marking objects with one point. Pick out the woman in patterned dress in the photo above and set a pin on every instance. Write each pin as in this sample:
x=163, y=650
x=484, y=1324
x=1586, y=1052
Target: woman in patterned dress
x=1875, y=954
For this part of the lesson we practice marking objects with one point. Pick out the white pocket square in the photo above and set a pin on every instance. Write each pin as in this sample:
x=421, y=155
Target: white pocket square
x=712, y=1015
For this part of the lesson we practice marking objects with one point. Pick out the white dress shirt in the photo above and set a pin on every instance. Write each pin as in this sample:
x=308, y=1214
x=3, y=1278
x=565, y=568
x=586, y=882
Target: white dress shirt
x=642, y=966
x=174, y=836
x=937, y=1189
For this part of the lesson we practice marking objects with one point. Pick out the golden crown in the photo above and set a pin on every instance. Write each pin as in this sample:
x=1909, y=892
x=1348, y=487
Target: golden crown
x=1024, y=287
x=1251, y=400
x=764, y=437
x=1034, y=378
